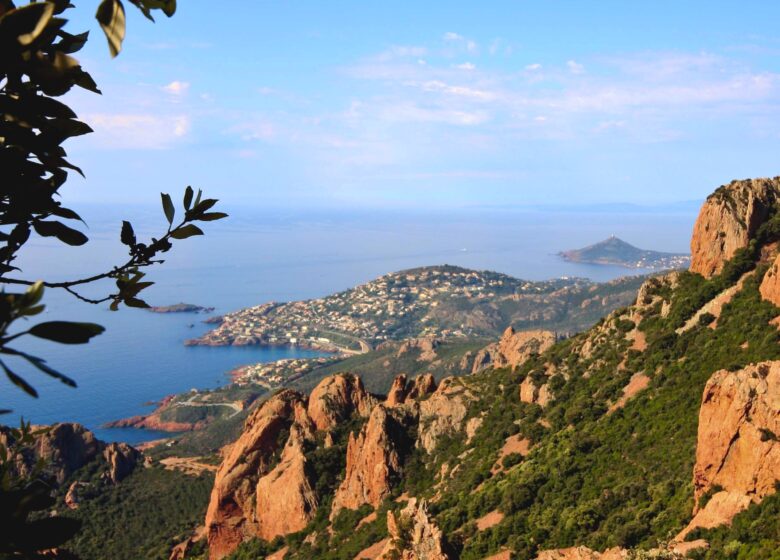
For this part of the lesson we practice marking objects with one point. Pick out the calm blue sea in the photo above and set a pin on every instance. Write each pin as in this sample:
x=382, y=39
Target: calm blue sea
x=258, y=256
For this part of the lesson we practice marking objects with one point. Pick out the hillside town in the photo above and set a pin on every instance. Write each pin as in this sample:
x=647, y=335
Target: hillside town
x=395, y=306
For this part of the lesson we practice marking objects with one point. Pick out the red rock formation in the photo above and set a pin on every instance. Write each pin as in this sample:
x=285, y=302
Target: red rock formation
x=121, y=459
x=403, y=392
x=336, y=398
x=231, y=515
x=423, y=385
x=443, y=413
x=397, y=393
x=513, y=349
x=770, y=285
x=67, y=447
x=286, y=501
x=737, y=448
x=424, y=541
x=373, y=461
x=583, y=553
x=728, y=220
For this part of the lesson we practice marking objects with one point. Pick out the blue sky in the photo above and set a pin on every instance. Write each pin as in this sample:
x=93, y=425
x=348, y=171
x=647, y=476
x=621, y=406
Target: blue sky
x=432, y=104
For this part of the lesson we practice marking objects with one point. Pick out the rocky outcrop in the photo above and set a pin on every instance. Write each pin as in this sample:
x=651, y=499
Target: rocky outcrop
x=443, y=413
x=67, y=447
x=336, y=398
x=121, y=459
x=513, y=349
x=728, y=220
x=583, y=553
x=737, y=452
x=374, y=459
x=426, y=346
x=231, y=516
x=286, y=501
x=770, y=285
x=414, y=536
x=530, y=392
x=397, y=393
x=402, y=391
x=423, y=385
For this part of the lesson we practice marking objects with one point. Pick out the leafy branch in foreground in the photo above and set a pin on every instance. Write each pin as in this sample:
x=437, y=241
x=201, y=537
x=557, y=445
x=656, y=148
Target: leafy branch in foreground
x=37, y=66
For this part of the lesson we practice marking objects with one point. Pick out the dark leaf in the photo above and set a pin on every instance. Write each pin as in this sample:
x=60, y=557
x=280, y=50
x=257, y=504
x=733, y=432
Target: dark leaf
x=28, y=22
x=186, y=231
x=211, y=216
x=40, y=363
x=128, y=235
x=66, y=332
x=67, y=213
x=111, y=16
x=61, y=232
x=19, y=382
x=188, y=194
x=168, y=208
x=72, y=43
x=135, y=302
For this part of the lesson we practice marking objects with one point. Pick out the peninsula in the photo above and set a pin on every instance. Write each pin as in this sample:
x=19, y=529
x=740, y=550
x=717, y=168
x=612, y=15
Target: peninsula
x=615, y=251
x=444, y=302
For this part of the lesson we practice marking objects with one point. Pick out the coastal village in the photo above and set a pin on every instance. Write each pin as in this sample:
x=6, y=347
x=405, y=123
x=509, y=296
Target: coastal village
x=393, y=307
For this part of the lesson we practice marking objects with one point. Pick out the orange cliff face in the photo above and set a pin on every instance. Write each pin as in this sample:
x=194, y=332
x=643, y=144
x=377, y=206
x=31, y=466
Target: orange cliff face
x=727, y=221
x=262, y=488
x=737, y=451
x=231, y=515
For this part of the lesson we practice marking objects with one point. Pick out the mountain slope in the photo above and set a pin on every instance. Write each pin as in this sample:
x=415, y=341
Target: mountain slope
x=605, y=460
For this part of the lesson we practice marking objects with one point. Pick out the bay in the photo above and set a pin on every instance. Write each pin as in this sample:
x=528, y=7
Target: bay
x=261, y=255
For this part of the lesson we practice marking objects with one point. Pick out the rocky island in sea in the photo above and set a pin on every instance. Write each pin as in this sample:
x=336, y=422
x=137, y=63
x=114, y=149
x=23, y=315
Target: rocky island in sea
x=615, y=251
x=180, y=308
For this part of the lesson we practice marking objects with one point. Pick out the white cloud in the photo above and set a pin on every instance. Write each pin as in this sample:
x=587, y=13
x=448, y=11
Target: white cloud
x=465, y=66
x=451, y=36
x=177, y=88
x=138, y=130
x=575, y=67
x=533, y=67
x=471, y=46
x=409, y=112
x=461, y=91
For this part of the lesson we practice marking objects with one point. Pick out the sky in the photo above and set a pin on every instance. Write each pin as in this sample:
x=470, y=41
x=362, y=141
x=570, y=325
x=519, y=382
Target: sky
x=453, y=104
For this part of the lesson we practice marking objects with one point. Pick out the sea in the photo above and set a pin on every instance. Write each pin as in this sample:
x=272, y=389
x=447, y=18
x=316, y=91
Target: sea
x=260, y=255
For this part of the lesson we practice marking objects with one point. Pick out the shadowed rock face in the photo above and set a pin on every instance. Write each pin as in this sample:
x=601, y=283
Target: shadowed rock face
x=728, y=220
x=737, y=448
x=66, y=447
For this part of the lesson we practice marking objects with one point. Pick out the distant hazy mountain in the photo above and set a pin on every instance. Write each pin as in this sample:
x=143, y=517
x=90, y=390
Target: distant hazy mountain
x=615, y=251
